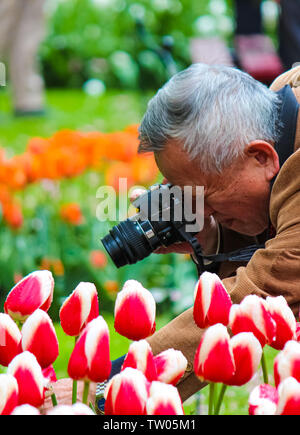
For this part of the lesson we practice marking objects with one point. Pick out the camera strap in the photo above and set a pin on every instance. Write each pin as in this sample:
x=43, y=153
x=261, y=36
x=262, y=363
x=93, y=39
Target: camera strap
x=287, y=124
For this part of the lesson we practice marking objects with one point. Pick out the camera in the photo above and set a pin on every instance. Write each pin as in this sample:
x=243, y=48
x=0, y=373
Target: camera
x=163, y=217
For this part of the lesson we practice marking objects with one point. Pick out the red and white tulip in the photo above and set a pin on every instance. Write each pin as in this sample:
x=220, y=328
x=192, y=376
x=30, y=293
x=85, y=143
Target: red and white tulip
x=79, y=309
x=252, y=315
x=289, y=397
x=90, y=358
x=170, y=366
x=140, y=357
x=263, y=400
x=135, y=311
x=163, y=399
x=39, y=337
x=32, y=292
x=8, y=394
x=10, y=339
x=287, y=362
x=284, y=319
x=214, y=361
x=212, y=302
x=247, y=353
x=130, y=383
x=31, y=382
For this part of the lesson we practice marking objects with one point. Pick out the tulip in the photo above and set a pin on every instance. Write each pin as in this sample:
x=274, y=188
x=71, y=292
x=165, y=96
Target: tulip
x=247, y=353
x=214, y=361
x=252, y=315
x=25, y=410
x=39, y=338
x=31, y=382
x=8, y=394
x=10, y=339
x=140, y=357
x=90, y=359
x=263, y=400
x=127, y=393
x=284, y=319
x=163, y=399
x=170, y=365
x=135, y=311
x=76, y=409
x=289, y=397
x=287, y=362
x=49, y=373
x=79, y=309
x=32, y=292
x=212, y=302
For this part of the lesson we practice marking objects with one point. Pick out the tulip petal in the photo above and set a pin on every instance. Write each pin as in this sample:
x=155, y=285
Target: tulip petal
x=163, y=399
x=263, y=400
x=289, y=397
x=140, y=357
x=9, y=394
x=10, y=339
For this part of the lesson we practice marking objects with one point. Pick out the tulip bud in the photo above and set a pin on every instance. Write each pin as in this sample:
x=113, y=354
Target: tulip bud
x=25, y=410
x=39, y=338
x=8, y=394
x=127, y=393
x=140, y=357
x=10, y=339
x=212, y=302
x=31, y=382
x=263, y=400
x=247, y=353
x=287, y=362
x=163, y=399
x=252, y=315
x=289, y=397
x=284, y=319
x=90, y=357
x=170, y=365
x=135, y=311
x=79, y=309
x=32, y=292
x=214, y=361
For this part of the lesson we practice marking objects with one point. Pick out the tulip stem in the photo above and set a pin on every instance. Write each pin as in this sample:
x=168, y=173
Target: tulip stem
x=53, y=399
x=264, y=368
x=220, y=399
x=74, y=392
x=85, y=392
x=211, y=398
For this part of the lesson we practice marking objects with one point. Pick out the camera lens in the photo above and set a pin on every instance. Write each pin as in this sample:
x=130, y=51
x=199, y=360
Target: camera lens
x=126, y=243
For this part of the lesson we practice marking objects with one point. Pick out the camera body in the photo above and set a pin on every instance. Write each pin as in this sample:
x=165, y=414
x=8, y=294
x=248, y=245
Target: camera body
x=161, y=220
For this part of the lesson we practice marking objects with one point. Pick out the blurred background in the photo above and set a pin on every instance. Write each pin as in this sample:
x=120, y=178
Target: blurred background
x=79, y=74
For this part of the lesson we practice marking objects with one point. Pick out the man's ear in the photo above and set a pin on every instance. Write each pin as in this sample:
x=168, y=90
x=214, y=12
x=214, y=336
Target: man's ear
x=265, y=155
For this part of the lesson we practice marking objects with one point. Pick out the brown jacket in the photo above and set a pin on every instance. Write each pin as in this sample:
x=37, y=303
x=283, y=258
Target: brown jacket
x=272, y=271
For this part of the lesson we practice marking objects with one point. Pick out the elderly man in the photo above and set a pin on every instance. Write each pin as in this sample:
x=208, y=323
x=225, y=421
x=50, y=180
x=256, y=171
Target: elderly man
x=217, y=127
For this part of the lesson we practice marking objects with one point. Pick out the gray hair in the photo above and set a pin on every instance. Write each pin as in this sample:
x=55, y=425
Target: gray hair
x=214, y=111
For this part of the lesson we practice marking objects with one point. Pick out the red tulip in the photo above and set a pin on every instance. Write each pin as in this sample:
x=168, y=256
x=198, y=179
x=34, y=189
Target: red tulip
x=289, y=397
x=79, y=309
x=263, y=400
x=287, y=362
x=32, y=292
x=39, y=338
x=8, y=394
x=135, y=311
x=10, y=339
x=214, y=360
x=163, y=399
x=247, y=353
x=170, y=365
x=140, y=357
x=252, y=315
x=31, y=382
x=284, y=319
x=90, y=357
x=212, y=302
x=127, y=393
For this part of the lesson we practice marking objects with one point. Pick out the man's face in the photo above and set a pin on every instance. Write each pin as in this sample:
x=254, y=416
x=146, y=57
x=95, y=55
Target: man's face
x=238, y=198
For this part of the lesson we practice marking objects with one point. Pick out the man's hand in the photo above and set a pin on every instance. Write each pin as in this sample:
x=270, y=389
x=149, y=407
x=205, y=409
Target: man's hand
x=63, y=391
